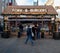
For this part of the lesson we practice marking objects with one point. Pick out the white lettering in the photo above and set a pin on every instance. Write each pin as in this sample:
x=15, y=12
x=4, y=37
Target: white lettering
x=26, y=10
x=30, y=10
x=13, y=9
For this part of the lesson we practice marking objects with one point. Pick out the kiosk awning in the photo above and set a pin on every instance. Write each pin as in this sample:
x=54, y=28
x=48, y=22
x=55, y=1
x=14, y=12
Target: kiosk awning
x=31, y=10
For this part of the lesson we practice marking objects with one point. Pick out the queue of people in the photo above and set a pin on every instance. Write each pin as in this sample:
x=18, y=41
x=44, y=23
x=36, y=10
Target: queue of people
x=35, y=30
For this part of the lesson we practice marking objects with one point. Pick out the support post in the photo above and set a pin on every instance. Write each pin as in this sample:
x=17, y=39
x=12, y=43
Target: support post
x=57, y=27
x=5, y=23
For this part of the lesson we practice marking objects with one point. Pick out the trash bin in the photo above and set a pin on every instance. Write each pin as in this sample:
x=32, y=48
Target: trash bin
x=59, y=35
x=56, y=35
x=5, y=34
x=42, y=34
x=19, y=35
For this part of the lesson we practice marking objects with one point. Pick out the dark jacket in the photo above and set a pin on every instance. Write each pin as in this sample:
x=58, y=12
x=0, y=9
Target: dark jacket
x=1, y=28
x=29, y=32
x=38, y=29
x=20, y=28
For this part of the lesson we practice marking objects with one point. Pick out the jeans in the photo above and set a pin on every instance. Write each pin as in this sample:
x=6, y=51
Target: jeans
x=29, y=38
x=38, y=35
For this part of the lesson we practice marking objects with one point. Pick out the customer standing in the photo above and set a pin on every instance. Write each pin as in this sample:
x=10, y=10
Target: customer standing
x=38, y=31
x=1, y=29
x=33, y=32
x=29, y=35
x=20, y=30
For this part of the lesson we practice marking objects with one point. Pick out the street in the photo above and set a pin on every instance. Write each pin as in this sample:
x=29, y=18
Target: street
x=16, y=45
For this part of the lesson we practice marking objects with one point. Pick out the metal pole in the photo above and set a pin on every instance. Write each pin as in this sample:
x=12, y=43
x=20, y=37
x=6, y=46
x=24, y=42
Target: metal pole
x=16, y=22
x=42, y=20
x=57, y=26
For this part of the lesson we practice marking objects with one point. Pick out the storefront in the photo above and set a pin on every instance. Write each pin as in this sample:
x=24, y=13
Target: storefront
x=14, y=15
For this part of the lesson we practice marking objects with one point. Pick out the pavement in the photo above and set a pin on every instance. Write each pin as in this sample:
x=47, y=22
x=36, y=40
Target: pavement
x=16, y=45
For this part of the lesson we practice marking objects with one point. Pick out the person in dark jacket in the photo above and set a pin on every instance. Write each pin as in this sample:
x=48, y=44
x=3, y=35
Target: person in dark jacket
x=33, y=31
x=20, y=30
x=1, y=28
x=21, y=27
x=29, y=35
x=38, y=32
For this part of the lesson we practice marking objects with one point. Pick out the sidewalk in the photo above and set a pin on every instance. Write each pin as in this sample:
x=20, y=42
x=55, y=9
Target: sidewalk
x=16, y=45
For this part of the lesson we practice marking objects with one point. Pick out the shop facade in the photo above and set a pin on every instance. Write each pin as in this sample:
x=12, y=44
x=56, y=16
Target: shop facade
x=43, y=15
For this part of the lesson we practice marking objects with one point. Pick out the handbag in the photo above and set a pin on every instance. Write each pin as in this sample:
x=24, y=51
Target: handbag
x=32, y=35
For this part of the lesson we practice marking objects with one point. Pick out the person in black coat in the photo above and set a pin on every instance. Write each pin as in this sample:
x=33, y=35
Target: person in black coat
x=33, y=31
x=20, y=30
x=38, y=32
x=1, y=28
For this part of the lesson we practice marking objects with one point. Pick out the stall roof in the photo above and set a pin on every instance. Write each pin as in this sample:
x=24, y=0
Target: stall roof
x=16, y=10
